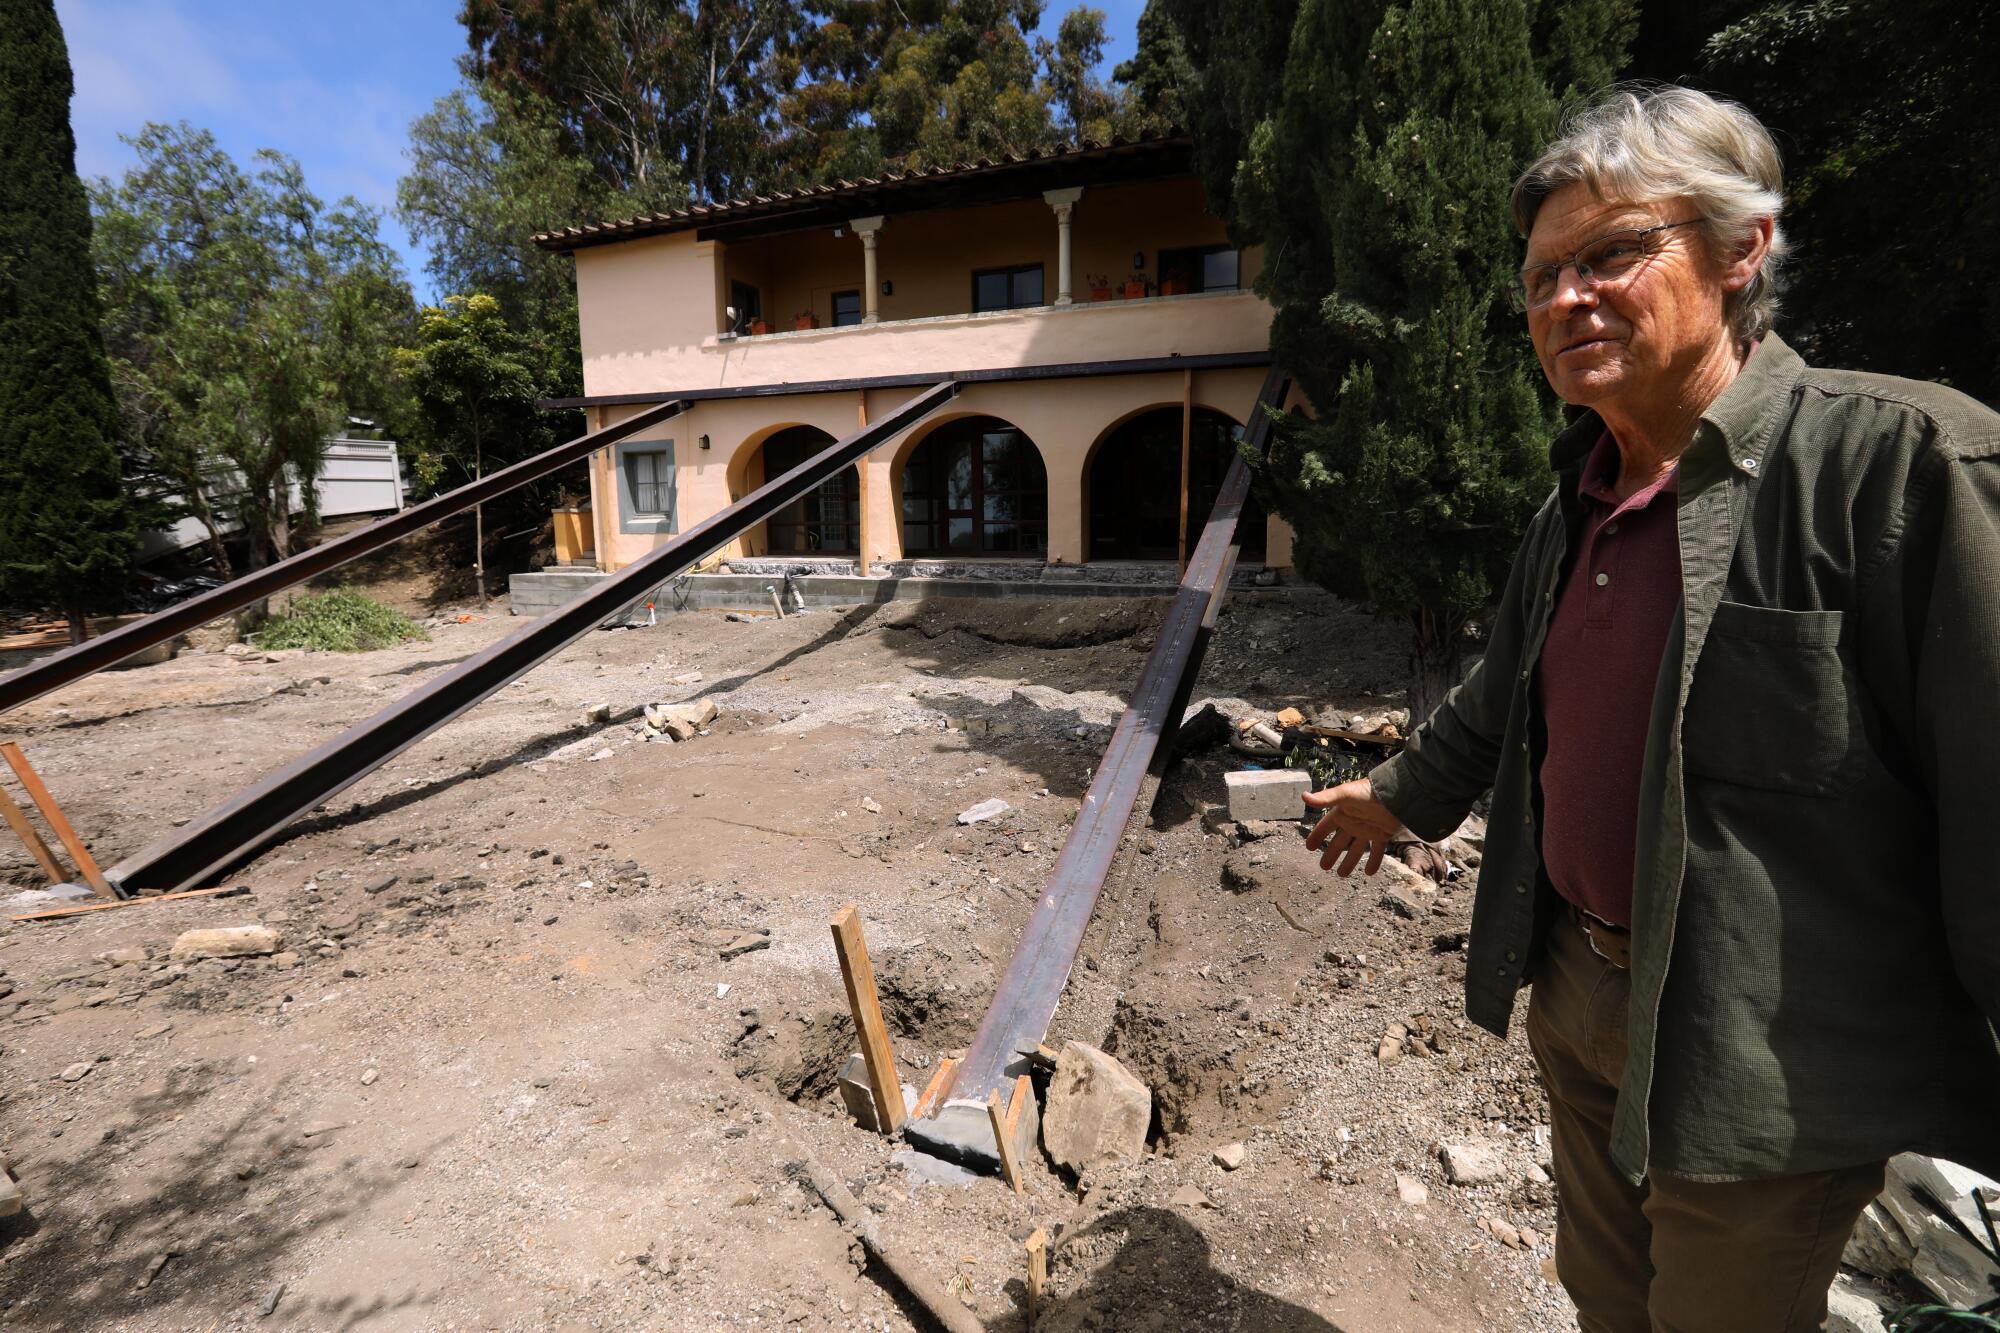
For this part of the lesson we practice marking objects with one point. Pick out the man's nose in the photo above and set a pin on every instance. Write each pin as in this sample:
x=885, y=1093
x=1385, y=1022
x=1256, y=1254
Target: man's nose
x=1572, y=292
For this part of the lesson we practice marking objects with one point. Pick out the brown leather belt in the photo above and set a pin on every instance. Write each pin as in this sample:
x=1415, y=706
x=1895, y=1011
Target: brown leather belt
x=1611, y=943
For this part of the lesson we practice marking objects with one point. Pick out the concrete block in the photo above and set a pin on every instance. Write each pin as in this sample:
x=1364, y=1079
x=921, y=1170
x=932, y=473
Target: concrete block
x=1271, y=793
x=859, y=1097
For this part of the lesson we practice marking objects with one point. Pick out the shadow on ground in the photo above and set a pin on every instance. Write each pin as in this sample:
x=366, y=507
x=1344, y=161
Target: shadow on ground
x=230, y=1213
x=1153, y=1274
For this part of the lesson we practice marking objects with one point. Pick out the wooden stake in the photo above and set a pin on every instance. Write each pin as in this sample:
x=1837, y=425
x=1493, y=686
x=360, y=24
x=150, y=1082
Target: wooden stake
x=1015, y=1105
x=932, y=1090
x=121, y=902
x=1003, y=1142
x=86, y=865
x=866, y=1006
x=1038, y=1271
x=17, y=819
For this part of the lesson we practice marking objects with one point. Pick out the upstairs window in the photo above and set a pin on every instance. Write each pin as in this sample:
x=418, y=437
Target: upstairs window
x=1006, y=288
x=1203, y=268
x=846, y=308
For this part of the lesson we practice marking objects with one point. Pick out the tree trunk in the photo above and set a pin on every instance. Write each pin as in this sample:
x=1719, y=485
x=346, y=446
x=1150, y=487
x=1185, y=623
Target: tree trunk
x=478, y=514
x=1435, y=657
x=79, y=624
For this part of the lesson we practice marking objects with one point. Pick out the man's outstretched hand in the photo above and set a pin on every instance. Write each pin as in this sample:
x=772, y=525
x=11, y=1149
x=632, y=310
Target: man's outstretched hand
x=1355, y=825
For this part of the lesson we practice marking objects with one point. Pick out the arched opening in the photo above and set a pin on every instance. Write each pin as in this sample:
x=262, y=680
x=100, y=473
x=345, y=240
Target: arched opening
x=1135, y=486
x=975, y=486
x=826, y=521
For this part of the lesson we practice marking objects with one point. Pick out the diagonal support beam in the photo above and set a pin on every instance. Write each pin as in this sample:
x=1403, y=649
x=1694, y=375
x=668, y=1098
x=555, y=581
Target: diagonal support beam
x=1025, y=1000
x=253, y=817
x=93, y=655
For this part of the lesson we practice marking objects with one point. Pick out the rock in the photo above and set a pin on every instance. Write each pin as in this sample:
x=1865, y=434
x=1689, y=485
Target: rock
x=1401, y=902
x=1271, y=793
x=742, y=944
x=368, y=1077
x=1229, y=1156
x=11, y=1201
x=1402, y=878
x=123, y=957
x=871, y=805
x=227, y=942
x=604, y=753
x=596, y=715
x=270, y=1301
x=1877, y=1245
x=75, y=1071
x=383, y=885
x=1853, y=1308
x=1470, y=1163
x=1098, y=1112
x=287, y=959
x=1945, y=1262
x=1291, y=717
x=688, y=678
x=1412, y=1191
x=987, y=809
x=1530, y=1237
x=1190, y=1196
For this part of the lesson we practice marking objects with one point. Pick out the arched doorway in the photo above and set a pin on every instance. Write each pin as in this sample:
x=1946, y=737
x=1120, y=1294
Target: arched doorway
x=826, y=521
x=1135, y=486
x=975, y=486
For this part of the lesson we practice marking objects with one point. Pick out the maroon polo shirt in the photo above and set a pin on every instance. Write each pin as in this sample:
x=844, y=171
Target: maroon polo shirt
x=1596, y=676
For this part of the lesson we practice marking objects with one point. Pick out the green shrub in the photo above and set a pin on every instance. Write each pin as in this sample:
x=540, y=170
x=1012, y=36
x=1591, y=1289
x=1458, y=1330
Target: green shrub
x=340, y=621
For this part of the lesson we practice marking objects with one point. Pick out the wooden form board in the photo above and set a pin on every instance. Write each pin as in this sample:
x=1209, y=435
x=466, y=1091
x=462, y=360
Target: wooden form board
x=54, y=912
x=866, y=1006
x=86, y=864
x=1038, y=1271
x=940, y=1080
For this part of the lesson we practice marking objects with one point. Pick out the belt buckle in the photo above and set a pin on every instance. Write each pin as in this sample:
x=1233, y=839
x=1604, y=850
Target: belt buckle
x=1586, y=921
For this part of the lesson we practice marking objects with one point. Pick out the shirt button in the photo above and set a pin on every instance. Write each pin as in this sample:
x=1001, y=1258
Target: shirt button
x=1521, y=888
x=1611, y=529
x=1749, y=465
x=1510, y=955
x=1500, y=972
x=1603, y=579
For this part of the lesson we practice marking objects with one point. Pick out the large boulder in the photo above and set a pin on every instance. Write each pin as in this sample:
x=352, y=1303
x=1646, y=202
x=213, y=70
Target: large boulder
x=227, y=942
x=1098, y=1111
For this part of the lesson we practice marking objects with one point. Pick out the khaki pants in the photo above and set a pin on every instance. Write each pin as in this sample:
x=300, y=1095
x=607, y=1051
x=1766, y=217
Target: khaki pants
x=1672, y=1255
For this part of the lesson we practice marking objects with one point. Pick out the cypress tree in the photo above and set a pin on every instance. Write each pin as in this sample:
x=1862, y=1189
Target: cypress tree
x=1378, y=183
x=67, y=535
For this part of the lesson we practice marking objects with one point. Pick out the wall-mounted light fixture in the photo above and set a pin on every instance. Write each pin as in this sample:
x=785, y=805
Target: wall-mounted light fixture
x=702, y=441
x=888, y=287
x=1138, y=259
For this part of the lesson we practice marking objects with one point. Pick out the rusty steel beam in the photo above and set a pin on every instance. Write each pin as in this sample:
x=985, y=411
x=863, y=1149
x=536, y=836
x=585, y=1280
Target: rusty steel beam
x=252, y=818
x=92, y=655
x=1025, y=1000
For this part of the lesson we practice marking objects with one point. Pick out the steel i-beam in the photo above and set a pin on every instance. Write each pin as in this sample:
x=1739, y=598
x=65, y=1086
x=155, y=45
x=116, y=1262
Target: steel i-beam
x=253, y=817
x=92, y=655
x=1025, y=1000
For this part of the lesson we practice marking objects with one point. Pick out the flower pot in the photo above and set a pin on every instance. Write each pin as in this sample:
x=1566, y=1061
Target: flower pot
x=1173, y=286
x=1135, y=288
x=1100, y=293
x=807, y=320
x=576, y=542
x=759, y=327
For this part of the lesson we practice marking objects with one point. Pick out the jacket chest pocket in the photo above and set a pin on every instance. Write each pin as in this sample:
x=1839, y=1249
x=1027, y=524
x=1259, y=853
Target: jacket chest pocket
x=1773, y=705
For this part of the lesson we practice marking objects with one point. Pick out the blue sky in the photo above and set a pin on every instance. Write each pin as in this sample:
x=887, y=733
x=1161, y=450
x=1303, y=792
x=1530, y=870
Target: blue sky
x=335, y=86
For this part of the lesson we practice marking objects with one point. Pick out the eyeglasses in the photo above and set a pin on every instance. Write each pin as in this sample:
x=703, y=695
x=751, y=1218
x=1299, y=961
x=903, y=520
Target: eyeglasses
x=1606, y=259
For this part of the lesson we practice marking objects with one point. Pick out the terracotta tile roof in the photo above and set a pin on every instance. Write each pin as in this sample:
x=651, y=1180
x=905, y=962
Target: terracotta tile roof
x=1017, y=175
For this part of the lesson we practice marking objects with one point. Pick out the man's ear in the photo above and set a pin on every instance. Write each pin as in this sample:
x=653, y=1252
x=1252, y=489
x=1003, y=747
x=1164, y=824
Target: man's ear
x=1750, y=257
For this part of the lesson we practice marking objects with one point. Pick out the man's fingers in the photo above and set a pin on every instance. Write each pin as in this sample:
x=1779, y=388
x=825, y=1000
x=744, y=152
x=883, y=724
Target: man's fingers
x=1321, y=832
x=1321, y=799
x=1375, y=850
x=1356, y=848
x=1334, y=847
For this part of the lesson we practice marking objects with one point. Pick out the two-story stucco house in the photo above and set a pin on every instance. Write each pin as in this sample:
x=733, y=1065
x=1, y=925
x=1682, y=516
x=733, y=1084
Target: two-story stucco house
x=1102, y=323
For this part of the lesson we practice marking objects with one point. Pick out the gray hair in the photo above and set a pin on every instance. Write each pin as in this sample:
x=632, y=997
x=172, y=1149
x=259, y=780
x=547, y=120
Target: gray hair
x=1651, y=142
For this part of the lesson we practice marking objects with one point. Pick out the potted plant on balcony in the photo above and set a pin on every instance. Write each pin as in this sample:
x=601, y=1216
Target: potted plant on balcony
x=806, y=319
x=1135, y=287
x=1100, y=287
x=759, y=326
x=1173, y=284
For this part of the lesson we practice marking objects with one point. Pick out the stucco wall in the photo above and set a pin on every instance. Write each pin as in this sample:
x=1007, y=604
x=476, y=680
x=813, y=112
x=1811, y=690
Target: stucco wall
x=1065, y=418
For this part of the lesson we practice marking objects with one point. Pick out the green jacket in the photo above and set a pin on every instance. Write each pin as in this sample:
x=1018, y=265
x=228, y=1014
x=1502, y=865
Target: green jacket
x=1816, y=911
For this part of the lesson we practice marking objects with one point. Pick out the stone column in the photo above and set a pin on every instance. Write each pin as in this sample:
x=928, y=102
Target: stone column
x=871, y=285
x=1062, y=201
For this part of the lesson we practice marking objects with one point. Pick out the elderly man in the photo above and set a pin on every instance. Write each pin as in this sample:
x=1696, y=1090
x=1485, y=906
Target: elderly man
x=1740, y=715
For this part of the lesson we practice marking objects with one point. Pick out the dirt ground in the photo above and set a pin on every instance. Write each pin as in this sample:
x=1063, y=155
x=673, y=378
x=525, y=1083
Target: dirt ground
x=503, y=1079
